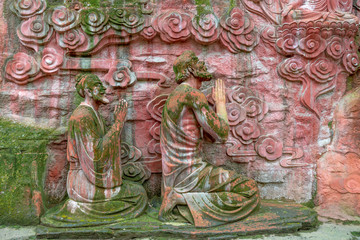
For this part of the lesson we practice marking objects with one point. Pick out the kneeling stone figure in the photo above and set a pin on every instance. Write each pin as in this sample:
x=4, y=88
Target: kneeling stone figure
x=192, y=189
x=97, y=193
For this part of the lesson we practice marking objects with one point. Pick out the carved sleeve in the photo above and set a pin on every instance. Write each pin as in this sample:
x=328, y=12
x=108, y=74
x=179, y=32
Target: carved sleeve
x=207, y=118
x=98, y=154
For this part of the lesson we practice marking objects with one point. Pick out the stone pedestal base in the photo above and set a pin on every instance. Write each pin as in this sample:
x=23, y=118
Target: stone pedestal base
x=272, y=217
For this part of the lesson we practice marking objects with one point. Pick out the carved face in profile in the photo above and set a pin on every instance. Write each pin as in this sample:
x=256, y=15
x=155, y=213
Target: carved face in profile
x=199, y=70
x=188, y=63
x=98, y=92
x=90, y=85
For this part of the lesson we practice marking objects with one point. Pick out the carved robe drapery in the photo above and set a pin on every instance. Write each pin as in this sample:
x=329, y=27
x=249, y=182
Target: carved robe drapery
x=312, y=10
x=213, y=195
x=97, y=193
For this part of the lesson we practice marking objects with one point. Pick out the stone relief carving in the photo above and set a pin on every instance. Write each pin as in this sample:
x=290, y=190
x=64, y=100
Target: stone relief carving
x=155, y=108
x=320, y=31
x=81, y=30
x=247, y=138
x=338, y=169
x=238, y=32
x=206, y=28
x=26, y=9
x=280, y=11
x=173, y=26
x=317, y=52
x=85, y=31
x=192, y=190
x=22, y=67
x=101, y=188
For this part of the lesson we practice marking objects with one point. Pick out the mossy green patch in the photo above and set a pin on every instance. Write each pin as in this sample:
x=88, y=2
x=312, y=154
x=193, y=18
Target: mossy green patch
x=349, y=83
x=309, y=204
x=203, y=7
x=52, y=3
x=350, y=222
x=23, y=155
x=91, y=3
x=232, y=4
x=330, y=125
x=273, y=217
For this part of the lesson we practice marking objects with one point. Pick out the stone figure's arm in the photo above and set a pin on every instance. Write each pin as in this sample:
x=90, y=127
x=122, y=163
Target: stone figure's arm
x=99, y=155
x=211, y=122
x=107, y=151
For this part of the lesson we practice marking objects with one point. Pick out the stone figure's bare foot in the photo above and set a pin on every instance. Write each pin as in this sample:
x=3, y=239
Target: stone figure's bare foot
x=170, y=200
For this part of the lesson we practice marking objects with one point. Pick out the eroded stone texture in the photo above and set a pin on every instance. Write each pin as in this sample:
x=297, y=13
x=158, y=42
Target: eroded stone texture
x=56, y=171
x=338, y=170
x=102, y=180
x=285, y=72
x=201, y=193
x=273, y=217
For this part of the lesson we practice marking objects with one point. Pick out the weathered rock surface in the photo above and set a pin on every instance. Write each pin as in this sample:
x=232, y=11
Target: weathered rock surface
x=338, y=170
x=272, y=217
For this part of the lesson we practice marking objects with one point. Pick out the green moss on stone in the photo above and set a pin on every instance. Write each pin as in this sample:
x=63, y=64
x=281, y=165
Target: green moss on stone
x=203, y=7
x=232, y=4
x=77, y=99
x=52, y=3
x=330, y=125
x=349, y=83
x=309, y=204
x=350, y=222
x=91, y=3
x=23, y=155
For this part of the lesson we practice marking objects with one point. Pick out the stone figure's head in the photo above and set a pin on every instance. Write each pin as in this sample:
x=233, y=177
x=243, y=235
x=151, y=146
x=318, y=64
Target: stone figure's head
x=89, y=84
x=188, y=63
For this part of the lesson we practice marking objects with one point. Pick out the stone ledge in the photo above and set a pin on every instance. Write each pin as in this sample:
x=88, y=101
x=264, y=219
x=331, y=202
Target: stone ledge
x=272, y=217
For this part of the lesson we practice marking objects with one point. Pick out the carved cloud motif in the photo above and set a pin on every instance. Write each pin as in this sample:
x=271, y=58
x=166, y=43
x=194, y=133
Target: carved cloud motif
x=156, y=106
x=238, y=32
x=173, y=26
x=350, y=62
x=21, y=68
x=51, y=60
x=28, y=8
x=321, y=70
x=245, y=111
x=132, y=169
x=94, y=21
x=148, y=33
x=247, y=132
x=129, y=153
x=71, y=39
x=34, y=31
x=311, y=46
x=205, y=28
x=335, y=48
x=292, y=69
x=81, y=30
x=122, y=76
x=124, y=20
x=269, y=147
x=319, y=51
x=62, y=19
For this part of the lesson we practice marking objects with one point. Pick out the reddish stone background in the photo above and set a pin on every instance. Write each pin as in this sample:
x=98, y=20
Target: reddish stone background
x=338, y=171
x=298, y=135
